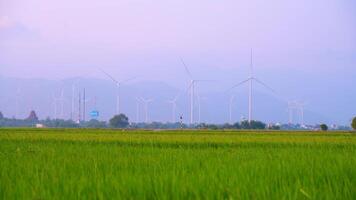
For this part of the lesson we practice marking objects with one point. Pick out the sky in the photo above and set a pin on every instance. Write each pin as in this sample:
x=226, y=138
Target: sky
x=299, y=47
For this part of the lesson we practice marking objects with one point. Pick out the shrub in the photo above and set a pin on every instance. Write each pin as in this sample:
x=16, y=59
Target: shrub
x=119, y=121
x=323, y=127
x=353, y=124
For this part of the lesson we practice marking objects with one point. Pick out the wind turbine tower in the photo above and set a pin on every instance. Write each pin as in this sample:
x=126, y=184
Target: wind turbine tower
x=301, y=106
x=232, y=97
x=292, y=106
x=174, y=108
x=146, y=102
x=118, y=85
x=250, y=92
x=137, y=110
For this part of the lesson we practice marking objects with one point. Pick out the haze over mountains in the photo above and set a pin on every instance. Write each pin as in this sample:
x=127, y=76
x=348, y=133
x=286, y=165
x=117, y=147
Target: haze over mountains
x=321, y=98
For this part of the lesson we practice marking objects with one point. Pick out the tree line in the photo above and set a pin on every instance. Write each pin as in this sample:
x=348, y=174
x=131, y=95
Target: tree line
x=122, y=121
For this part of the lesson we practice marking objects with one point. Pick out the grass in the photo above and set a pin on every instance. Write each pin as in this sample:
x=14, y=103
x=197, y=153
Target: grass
x=112, y=164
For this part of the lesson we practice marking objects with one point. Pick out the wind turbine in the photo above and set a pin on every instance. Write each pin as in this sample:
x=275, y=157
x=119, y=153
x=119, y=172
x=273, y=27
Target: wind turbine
x=61, y=100
x=192, y=84
x=55, y=106
x=300, y=107
x=174, y=107
x=232, y=97
x=146, y=102
x=73, y=98
x=250, y=80
x=137, y=109
x=18, y=94
x=58, y=100
x=118, y=85
x=199, y=107
x=292, y=105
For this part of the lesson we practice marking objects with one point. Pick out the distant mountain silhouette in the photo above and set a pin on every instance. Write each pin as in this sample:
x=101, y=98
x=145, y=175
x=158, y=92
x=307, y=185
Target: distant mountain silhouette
x=40, y=94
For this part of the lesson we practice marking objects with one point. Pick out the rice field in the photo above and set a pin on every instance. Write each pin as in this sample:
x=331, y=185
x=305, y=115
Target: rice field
x=122, y=164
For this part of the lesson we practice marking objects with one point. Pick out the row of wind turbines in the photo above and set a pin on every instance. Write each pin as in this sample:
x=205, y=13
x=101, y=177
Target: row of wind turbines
x=192, y=92
x=78, y=111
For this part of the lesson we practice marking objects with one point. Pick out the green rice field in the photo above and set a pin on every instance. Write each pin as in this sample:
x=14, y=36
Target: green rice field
x=133, y=164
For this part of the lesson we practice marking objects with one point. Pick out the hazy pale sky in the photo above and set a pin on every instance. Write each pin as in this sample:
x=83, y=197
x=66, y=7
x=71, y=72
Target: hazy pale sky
x=304, y=49
x=57, y=39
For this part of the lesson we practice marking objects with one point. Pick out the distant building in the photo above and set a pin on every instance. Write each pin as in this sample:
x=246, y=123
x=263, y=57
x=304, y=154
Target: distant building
x=40, y=126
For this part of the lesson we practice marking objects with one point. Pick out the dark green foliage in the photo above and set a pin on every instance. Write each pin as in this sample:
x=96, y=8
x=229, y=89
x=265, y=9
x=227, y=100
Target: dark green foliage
x=324, y=127
x=227, y=126
x=236, y=125
x=274, y=127
x=158, y=125
x=5, y=122
x=253, y=125
x=119, y=121
x=59, y=123
x=353, y=124
x=93, y=123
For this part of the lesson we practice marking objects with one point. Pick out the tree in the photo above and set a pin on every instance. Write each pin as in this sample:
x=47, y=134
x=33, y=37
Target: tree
x=353, y=124
x=119, y=121
x=323, y=127
x=94, y=123
x=32, y=117
x=1, y=115
x=252, y=125
x=274, y=127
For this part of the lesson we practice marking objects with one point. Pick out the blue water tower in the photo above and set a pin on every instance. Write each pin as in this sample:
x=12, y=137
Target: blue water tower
x=94, y=114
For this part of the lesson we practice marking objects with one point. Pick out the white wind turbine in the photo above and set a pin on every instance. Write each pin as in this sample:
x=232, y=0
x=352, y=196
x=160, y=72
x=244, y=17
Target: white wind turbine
x=55, y=106
x=118, y=85
x=292, y=105
x=300, y=106
x=199, y=107
x=174, y=108
x=250, y=80
x=192, y=84
x=137, y=109
x=59, y=100
x=173, y=102
x=18, y=95
x=146, y=102
x=232, y=97
x=73, y=98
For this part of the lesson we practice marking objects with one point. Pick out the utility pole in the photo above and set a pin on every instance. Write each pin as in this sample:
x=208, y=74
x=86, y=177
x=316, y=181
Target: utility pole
x=84, y=105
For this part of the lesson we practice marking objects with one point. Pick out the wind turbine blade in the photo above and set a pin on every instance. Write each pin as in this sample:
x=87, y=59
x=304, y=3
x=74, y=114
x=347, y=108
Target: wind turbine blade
x=127, y=80
x=262, y=83
x=242, y=82
x=186, y=68
x=108, y=75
